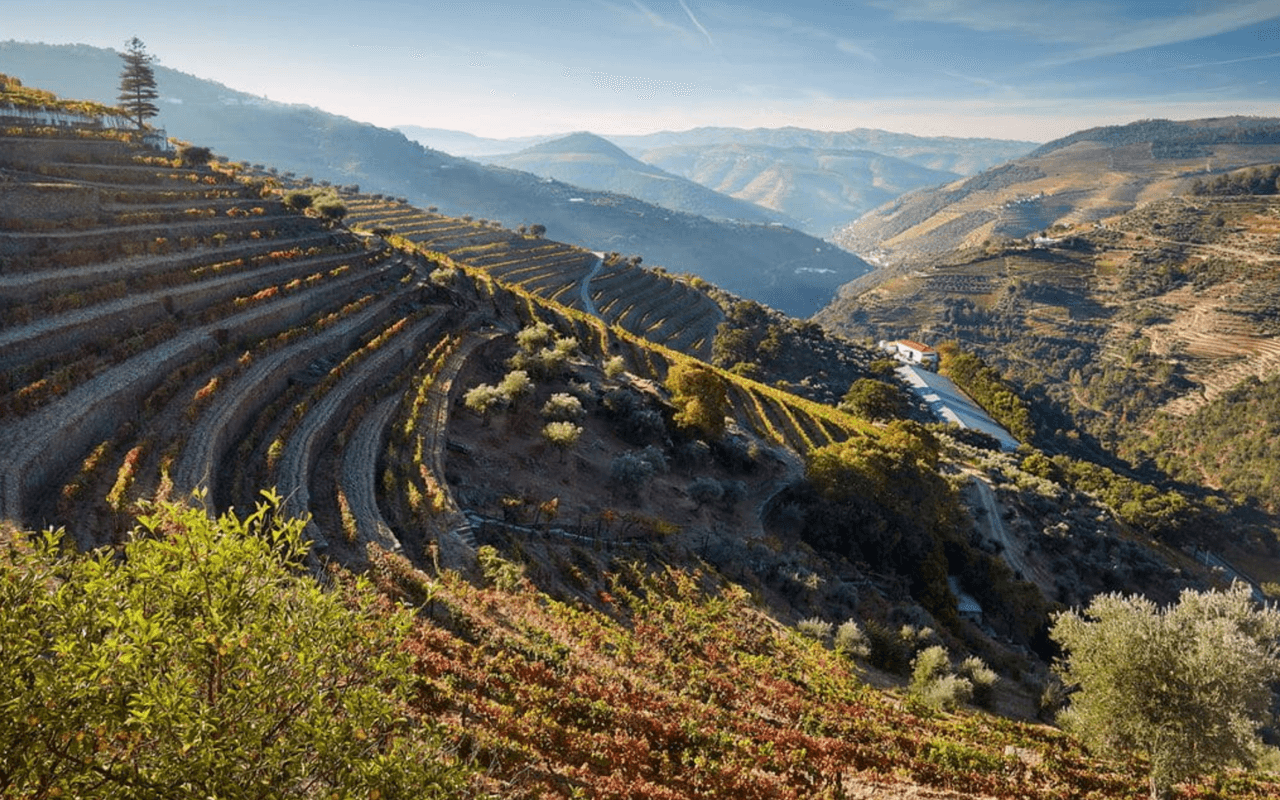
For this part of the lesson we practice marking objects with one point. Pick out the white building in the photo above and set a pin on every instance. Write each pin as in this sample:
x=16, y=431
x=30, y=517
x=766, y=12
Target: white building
x=911, y=352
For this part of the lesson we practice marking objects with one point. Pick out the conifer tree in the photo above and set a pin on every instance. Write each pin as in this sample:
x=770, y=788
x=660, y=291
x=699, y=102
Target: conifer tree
x=138, y=83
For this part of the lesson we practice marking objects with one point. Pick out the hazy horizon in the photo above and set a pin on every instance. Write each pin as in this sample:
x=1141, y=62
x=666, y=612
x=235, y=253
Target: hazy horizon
x=989, y=68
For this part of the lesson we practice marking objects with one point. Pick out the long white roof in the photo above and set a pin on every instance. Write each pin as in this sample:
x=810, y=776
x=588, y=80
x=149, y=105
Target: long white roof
x=950, y=404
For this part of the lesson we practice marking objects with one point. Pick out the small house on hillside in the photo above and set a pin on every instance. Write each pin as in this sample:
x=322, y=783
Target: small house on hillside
x=912, y=352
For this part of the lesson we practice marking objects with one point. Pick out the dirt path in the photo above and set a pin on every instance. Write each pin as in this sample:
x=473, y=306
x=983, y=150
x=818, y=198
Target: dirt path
x=359, y=476
x=587, y=304
x=211, y=438
x=435, y=420
x=303, y=448
x=991, y=522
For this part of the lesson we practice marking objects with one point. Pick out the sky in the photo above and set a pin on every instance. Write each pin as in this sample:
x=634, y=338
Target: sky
x=1011, y=69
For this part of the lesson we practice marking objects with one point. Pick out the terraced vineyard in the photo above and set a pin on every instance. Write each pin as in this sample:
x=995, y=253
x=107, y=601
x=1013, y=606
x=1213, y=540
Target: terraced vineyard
x=169, y=329
x=648, y=303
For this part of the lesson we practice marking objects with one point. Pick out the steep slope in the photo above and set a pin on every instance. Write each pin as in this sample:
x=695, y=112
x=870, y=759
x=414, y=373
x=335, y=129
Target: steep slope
x=786, y=269
x=822, y=188
x=586, y=160
x=1086, y=177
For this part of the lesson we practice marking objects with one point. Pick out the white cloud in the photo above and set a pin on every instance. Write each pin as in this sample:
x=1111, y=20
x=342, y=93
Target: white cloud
x=696, y=23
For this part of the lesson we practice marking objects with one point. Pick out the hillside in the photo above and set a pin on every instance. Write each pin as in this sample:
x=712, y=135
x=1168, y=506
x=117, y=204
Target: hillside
x=823, y=188
x=586, y=160
x=1150, y=341
x=786, y=269
x=1084, y=178
x=603, y=566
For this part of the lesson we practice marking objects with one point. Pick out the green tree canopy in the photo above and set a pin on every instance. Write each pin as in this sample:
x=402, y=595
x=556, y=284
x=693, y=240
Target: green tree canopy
x=138, y=83
x=875, y=400
x=701, y=397
x=1187, y=684
x=202, y=661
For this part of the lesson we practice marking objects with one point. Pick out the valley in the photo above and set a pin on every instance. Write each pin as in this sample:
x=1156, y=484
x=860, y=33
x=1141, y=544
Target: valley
x=635, y=536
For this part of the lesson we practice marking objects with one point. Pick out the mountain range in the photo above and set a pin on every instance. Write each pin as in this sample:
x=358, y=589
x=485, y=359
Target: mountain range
x=1083, y=178
x=816, y=180
x=587, y=160
x=789, y=270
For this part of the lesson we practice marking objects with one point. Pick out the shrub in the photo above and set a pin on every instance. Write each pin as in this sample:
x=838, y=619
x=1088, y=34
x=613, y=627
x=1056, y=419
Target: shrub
x=561, y=435
x=483, y=399
x=1188, y=684
x=705, y=490
x=205, y=661
x=851, y=641
x=814, y=628
x=444, y=277
x=535, y=337
x=562, y=406
x=499, y=572
x=656, y=459
x=614, y=367
x=629, y=472
x=734, y=492
x=982, y=678
x=515, y=385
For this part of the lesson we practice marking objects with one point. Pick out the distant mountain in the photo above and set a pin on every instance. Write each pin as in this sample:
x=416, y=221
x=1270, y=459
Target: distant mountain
x=468, y=145
x=822, y=189
x=587, y=160
x=1086, y=177
x=962, y=156
x=786, y=269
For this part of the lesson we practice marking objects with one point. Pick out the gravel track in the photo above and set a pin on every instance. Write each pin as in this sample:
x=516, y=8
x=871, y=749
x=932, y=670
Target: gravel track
x=218, y=427
x=325, y=415
x=359, y=476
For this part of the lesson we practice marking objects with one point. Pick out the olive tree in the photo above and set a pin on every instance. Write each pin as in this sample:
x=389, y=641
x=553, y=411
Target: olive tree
x=561, y=435
x=203, y=661
x=1185, y=684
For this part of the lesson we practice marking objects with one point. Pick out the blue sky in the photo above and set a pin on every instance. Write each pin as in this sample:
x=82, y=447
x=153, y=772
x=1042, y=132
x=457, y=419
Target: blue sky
x=1024, y=69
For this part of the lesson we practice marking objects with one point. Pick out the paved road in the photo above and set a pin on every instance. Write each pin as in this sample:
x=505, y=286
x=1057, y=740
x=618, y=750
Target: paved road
x=587, y=304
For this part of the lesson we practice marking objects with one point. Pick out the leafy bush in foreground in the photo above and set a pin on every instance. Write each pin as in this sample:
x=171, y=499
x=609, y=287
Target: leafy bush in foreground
x=203, y=662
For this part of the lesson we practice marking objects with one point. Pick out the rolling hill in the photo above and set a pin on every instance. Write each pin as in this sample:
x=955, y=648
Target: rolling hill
x=822, y=188
x=1130, y=335
x=963, y=156
x=1083, y=178
x=587, y=160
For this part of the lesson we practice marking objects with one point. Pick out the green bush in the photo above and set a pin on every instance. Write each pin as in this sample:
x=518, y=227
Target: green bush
x=982, y=678
x=814, y=628
x=203, y=661
x=852, y=641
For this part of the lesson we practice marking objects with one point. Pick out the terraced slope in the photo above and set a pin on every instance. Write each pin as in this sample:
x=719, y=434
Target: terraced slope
x=646, y=302
x=166, y=330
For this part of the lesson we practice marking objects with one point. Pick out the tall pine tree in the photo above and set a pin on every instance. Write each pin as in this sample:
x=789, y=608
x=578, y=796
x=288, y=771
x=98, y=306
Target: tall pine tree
x=138, y=83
